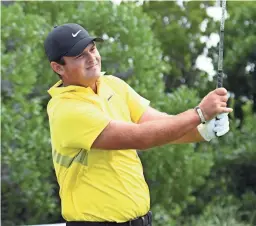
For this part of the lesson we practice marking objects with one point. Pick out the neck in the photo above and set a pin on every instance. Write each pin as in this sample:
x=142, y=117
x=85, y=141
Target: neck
x=93, y=86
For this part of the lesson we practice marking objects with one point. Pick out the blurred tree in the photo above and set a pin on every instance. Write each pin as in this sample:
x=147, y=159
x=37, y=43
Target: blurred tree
x=177, y=27
x=216, y=214
x=239, y=53
x=234, y=165
x=27, y=187
x=232, y=171
x=154, y=48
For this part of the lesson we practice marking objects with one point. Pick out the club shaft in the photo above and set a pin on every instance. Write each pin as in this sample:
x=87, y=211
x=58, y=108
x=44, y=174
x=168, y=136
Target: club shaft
x=221, y=46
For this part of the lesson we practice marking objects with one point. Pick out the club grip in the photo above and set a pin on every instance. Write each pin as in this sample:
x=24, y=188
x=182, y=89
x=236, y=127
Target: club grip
x=219, y=79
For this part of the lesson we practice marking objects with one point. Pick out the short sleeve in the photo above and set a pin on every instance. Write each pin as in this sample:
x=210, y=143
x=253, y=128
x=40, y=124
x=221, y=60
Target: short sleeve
x=137, y=104
x=79, y=125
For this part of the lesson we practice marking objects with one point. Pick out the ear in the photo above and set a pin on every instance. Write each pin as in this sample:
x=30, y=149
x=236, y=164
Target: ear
x=58, y=68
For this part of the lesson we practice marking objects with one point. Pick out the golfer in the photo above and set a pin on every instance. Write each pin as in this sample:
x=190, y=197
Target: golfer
x=97, y=122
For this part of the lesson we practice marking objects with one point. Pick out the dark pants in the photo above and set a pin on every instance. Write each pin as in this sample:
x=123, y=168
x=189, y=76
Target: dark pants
x=141, y=221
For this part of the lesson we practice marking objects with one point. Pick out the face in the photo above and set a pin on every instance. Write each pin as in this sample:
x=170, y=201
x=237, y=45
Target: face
x=82, y=70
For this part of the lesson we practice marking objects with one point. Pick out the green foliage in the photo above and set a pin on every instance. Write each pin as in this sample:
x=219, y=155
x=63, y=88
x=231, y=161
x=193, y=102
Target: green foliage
x=231, y=174
x=154, y=47
x=27, y=185
x=239, y=52
x=233, y=156
x=178, y=30
x=217, y=216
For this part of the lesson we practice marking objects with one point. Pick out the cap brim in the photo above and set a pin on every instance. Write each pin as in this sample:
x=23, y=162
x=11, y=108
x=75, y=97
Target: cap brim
x=79, y=47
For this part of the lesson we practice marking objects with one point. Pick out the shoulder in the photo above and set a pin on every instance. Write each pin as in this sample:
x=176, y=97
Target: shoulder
x=116, y=84
x=113, y=80
x=66, y=109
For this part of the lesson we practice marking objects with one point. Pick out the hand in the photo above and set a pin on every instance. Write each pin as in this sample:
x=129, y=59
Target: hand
x=215, y=127
x=215, y=103
x=221, y=124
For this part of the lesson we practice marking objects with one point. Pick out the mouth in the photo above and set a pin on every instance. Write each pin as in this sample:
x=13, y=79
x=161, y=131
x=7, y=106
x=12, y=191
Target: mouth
x=92, y=66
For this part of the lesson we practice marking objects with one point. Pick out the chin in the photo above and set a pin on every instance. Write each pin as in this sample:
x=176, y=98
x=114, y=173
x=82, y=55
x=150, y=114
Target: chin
x=94, y=73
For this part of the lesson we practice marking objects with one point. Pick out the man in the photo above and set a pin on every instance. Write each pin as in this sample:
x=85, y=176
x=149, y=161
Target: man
x=97, y=123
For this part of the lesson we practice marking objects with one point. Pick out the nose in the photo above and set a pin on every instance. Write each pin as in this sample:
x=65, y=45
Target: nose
x=90, y=58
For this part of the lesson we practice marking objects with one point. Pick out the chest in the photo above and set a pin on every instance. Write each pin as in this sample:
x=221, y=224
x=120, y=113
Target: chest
x=115, y=106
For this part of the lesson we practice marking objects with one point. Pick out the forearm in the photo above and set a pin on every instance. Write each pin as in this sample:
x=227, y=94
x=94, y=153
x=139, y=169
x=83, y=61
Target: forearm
x=169, y=129
x=191, y=136
x=151, y=131
x=119, y=135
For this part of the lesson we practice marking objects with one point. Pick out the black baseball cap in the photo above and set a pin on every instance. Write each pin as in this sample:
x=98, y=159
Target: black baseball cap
x=67, y=40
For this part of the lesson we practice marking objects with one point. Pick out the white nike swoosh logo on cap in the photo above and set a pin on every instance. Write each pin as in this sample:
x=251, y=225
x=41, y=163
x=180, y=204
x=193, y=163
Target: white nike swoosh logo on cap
x=74, y=35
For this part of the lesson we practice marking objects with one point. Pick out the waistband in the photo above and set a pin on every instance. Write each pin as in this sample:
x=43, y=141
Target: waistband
x=145, y=220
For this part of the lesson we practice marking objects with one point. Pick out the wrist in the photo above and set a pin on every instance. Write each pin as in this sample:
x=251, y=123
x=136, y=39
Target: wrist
x=200, y=114
x=196, y=118
x=206, y=130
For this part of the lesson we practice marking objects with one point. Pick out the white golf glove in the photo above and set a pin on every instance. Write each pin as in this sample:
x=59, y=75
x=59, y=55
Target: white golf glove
x=215, y=127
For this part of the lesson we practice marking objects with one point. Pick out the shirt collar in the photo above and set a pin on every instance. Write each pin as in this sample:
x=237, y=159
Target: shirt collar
x=57, y=89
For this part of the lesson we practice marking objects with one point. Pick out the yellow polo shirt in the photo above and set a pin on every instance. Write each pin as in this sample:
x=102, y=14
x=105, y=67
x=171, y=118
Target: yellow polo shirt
x=96, y=185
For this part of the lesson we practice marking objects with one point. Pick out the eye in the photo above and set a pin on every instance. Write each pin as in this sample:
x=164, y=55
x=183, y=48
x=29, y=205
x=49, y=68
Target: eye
x=80, y=56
